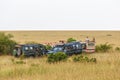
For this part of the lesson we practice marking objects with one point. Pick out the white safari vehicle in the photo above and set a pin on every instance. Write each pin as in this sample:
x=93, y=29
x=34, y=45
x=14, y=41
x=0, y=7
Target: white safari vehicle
x=88, y=47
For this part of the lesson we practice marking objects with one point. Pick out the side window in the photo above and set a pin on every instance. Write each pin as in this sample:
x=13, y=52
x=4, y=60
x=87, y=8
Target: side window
x=26, y=48
x=74, y=46
x=90, y=44
x=31, y=48
x=77, y=46
x=83, y=46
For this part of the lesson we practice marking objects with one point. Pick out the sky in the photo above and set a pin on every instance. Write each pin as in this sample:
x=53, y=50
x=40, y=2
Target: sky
x=59, y=14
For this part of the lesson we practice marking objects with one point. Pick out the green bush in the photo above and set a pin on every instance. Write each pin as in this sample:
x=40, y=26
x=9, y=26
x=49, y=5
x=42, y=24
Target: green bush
x=93, y=60
x=48, y=47
x=6, y=44
x=117, y=49
x=103, y=47
x=57, y=57
x=70, y=40
x=78, y=58
x=84, y=59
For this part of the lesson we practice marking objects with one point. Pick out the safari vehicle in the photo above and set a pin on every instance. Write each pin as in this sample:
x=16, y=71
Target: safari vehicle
x=88, y=47
x=68, y=48
x=29, y=50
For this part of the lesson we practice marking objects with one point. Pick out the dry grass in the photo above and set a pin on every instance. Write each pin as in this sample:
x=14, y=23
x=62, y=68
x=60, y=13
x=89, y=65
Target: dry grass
x=54, y=36
x=106, y=68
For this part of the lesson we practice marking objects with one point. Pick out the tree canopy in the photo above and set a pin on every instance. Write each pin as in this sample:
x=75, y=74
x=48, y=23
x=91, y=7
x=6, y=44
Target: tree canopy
x=6, y=43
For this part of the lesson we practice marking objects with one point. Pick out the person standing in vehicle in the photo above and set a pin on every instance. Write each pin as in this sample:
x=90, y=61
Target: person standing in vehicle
x=93, y=39
x=87, y=39
x=18, y=52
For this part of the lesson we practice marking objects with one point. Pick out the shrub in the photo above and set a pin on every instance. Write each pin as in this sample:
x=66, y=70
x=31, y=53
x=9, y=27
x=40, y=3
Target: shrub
x=70, y=40
x=79, y=58
x=48, y=47
x=93, y=60
x=84, y=59
x=117, y=49
x=6, y=44
x=103, y=47
x=57, y=57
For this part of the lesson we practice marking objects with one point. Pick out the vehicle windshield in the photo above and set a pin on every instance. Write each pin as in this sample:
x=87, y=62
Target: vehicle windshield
x=26, y=48
x=91, y=44
x=31, y=48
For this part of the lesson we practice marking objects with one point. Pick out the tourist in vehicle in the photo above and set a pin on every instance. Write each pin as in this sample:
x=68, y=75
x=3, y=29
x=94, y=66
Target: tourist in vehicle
x=93, y=39
x=87, y=39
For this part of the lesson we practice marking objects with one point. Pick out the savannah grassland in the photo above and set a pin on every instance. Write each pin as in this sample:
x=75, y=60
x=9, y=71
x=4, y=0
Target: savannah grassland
x=106, y=68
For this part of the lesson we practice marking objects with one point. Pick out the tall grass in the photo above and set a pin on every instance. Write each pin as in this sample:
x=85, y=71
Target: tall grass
x=106, y=68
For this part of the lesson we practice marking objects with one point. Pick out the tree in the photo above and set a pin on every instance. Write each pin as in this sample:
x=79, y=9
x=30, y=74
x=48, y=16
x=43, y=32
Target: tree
x=6, y=44
x=70, y=40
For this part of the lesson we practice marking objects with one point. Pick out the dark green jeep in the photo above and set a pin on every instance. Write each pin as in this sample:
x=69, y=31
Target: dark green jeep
x=29, y=50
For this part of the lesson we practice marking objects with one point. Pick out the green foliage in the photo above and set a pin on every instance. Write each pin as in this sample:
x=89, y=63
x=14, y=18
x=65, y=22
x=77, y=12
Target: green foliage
x=117, y=49
x=57, y=57
x=6, y=44
x=48, y=47
x=93, y=60
x=70, y=40
x=79, y=58
x=84, y=59
x=103, y=47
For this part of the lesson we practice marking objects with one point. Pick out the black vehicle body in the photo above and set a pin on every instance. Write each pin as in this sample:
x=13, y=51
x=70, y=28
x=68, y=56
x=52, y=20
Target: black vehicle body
x=31, y=50
x=68, y=48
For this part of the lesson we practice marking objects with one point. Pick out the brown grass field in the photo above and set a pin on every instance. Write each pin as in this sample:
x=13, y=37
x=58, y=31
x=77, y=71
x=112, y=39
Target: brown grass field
x=111, y=37
x=106, y=68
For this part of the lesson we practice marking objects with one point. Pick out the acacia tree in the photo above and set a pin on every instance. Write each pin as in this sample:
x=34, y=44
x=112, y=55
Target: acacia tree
x=6, y=43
